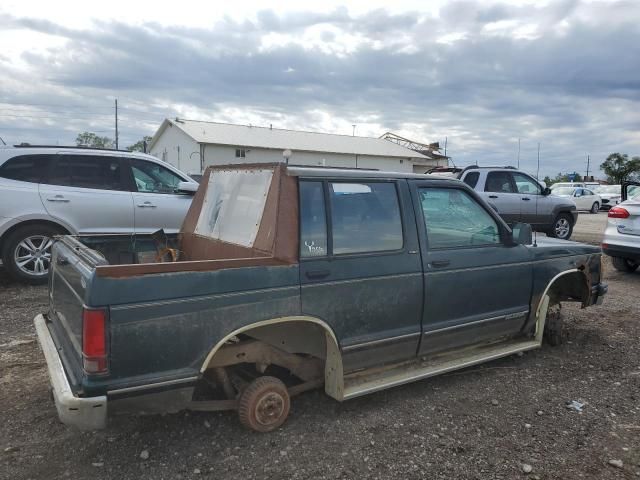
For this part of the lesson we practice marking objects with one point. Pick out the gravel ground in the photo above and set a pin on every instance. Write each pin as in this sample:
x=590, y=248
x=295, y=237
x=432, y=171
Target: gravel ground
x=486, y=422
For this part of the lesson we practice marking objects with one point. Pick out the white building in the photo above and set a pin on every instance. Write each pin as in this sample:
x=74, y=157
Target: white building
x=193, y=145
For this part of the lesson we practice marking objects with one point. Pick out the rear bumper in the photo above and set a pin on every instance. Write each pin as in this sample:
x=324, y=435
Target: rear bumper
x=632, y=253
x=86, y=413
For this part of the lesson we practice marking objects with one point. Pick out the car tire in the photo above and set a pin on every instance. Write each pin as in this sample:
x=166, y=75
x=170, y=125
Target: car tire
x=624, y=264
x=562, y=227
x=27, y=253
x=595, y=208
x=264, y=404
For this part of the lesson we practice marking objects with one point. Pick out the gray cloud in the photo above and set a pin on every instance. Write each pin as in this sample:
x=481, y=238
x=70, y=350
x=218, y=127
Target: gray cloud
x=574, y=87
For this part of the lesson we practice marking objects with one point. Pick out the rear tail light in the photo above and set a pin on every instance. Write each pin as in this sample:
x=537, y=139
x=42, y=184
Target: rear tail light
x=94, y=340
x=618, y=212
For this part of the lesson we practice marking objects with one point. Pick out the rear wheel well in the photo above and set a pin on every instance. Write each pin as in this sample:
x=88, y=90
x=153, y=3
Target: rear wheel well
x=304, y=348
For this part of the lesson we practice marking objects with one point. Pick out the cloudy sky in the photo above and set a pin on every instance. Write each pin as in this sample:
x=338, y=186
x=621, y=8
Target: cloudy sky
x=565, y=73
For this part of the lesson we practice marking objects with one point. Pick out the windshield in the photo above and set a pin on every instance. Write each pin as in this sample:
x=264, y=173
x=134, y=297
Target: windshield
x=608, y=189
x=564, y=191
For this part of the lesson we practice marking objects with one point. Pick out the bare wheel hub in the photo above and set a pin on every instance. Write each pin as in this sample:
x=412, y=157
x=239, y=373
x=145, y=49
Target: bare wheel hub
x=269, y=408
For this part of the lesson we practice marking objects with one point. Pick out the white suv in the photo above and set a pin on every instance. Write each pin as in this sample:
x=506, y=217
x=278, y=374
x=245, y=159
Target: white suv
x=46, y=191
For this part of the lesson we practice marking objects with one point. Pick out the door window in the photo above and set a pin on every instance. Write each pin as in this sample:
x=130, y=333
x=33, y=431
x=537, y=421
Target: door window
x=454, y=219
x=526, y=184
x=313, y=220
x=87, y=171
x=365, y=217
x=25, y=168
x=499, y=182
x=150, y=177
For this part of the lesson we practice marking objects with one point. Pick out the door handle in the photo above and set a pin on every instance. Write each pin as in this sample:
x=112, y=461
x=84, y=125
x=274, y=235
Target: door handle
x=440, y=263
x=493, y=196
x=58, y=198
x=317, y=274
x=146, y=205
x=526, y=199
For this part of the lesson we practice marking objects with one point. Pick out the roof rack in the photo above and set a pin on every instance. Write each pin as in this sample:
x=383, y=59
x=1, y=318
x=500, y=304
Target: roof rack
x=75, y=147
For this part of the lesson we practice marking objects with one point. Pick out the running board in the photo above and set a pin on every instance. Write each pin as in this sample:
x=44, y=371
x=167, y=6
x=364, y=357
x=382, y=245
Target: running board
x=368, y=381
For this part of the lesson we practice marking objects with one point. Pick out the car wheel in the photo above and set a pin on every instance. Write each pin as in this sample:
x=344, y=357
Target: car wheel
x=624, y=264
x=264, y=405
x=27, y=253
x=595, y=207
x=562, y=227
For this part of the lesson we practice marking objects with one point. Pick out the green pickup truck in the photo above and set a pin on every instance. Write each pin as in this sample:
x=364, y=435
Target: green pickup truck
x=285, y=279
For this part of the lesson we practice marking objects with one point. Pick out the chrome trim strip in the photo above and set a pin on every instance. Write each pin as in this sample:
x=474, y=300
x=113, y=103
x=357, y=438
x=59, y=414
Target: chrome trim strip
x=358, y=280
x=152, y=385
x=204, y=298
x=357, y=346
x=476, y=322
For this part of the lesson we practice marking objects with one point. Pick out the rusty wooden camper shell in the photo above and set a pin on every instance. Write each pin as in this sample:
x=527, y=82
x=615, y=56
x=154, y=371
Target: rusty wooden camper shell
x=276, y=241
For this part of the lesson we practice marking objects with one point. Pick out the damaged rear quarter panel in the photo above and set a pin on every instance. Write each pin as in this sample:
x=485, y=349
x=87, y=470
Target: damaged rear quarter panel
x=177, y=318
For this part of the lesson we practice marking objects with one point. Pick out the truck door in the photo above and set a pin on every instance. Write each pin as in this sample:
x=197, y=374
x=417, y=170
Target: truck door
x=477, y=287
x=360, y=267
x=500, y=190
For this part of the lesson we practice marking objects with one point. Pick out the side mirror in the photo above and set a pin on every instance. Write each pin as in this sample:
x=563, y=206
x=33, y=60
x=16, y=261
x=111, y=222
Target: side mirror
x=546, y=191
x=187, y=187
x=522, y=234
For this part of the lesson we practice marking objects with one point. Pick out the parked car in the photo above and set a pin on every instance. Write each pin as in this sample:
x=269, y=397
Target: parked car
x=584, y=198
x=48, y=191
x=294, y=278
x=589, y=185
x=611, y=195
x=621, y=239
x=518, y=197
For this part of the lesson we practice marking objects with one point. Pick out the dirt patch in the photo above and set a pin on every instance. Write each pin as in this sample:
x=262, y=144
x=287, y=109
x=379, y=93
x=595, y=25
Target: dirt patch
x=481, y=423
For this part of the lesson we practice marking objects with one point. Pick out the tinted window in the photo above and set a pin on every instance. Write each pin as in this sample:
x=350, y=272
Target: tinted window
x=86, y=171
x=365, y=217
x=499, y=182
x=153, y=178
x=313, y=221
x=526, y=184
x=471, y=179
x=26, y=168
x=454, y=219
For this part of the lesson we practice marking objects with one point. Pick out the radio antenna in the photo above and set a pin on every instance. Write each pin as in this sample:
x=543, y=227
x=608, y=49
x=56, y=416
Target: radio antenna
x=535, y=233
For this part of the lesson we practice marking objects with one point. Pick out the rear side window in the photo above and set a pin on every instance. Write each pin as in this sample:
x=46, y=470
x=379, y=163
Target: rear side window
x=365, y=217
x=313, y=220
x=499, y=182
x=471, y=179
x=25, y=168
x=86, y=171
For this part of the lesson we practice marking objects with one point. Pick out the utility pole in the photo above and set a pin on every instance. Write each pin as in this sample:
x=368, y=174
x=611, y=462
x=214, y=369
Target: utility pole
x=445, y=146
x=518, y=153
x=353, y=134
x=588, y=159
x=538, y=170
x=116, y=124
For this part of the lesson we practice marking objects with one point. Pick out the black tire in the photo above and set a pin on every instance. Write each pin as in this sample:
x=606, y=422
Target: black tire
x=34, y=272
x=595, y=208
x=562, y=227
x=553, y=326
x=264, y=404
x=624, y=264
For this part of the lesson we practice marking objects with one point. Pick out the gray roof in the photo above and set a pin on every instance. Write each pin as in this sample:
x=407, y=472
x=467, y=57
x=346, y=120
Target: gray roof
x=281, y=139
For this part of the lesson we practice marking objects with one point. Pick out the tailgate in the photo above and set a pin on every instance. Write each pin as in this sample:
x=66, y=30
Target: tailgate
x=72, y=268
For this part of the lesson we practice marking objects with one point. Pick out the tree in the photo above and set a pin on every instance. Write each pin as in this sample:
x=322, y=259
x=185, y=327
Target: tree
x=619, y=167
x=139, y=145
x=89, y=139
